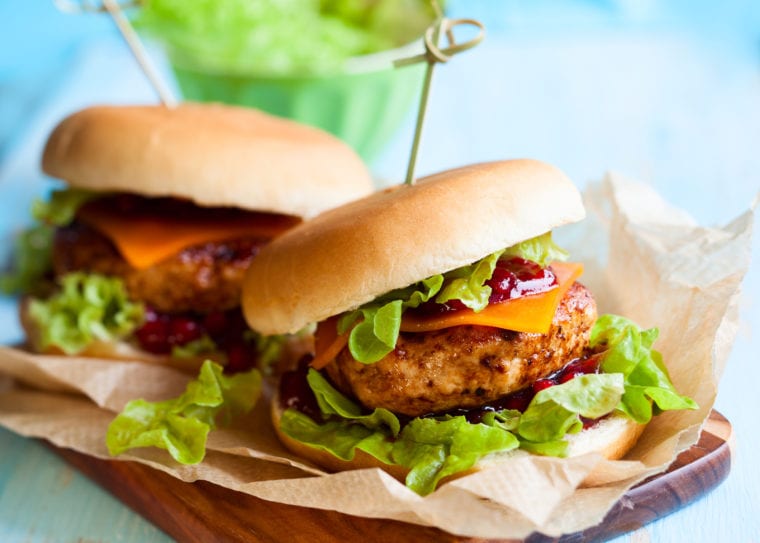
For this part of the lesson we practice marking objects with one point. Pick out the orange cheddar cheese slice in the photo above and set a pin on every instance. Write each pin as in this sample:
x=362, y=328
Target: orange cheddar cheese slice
x=145, y=240
x=532, y=313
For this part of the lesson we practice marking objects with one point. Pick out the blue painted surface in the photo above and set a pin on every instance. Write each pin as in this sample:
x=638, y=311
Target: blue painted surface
x=667, y=92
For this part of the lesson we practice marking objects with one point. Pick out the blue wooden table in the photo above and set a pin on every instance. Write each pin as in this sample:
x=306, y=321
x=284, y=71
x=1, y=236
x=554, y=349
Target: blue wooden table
x=668, y=96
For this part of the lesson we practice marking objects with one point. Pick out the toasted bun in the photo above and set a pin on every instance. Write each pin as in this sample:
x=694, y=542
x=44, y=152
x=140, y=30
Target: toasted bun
x=212, y=154
x=350, y=255
x=611, y=438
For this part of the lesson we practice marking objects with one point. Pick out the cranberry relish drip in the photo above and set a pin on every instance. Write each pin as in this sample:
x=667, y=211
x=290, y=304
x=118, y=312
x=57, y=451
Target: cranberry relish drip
x=520, y=399
x=513, y=277
x=295, y=392
x=161, y=332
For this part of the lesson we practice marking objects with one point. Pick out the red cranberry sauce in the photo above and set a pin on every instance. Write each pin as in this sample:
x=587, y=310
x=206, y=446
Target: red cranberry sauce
x=161, y=332
x=295, y=392
x=521, y=399
x=513, y=277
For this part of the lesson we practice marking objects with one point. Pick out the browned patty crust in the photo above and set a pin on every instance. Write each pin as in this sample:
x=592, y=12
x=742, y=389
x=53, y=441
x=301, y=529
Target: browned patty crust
x=466, y=366
x=203, y=278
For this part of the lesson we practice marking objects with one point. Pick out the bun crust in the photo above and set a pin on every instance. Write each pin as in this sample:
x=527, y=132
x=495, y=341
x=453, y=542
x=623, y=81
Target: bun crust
x=212, y=154
x=611, y=437
x=350, y=255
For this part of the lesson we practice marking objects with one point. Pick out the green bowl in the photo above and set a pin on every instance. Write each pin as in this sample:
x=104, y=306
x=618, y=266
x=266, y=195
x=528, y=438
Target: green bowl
x=364, y=105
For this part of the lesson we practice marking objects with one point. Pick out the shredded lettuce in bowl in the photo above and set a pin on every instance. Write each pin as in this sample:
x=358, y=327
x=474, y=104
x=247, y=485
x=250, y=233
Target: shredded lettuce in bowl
x=280, y=37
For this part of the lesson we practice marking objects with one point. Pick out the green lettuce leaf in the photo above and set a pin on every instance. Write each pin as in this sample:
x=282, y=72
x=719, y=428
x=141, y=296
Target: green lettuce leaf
x=540, y=249
x=62, y=205
x=377, y=332
x=433, y=449
x=87, y=307
x=468, y=284
x=181, y=425
x=556, y=411
x=629, y=352
x=337, y=437
x=332, y=402
x=198, y=347
x=31, y=259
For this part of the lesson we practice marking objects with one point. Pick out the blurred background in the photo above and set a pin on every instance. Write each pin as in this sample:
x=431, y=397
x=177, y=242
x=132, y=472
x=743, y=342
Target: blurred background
x=665, y=92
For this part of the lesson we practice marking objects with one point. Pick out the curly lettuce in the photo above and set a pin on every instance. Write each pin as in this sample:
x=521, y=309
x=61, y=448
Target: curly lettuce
x=86, y=308
x=181, y=425
x=31, y=261
x=433, y=448
x=648, y=389
x=61, y=206
x=31, y=258
x=379, y=321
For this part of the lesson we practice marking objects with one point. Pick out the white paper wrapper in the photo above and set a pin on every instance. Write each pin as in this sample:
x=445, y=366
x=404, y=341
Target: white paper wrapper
x=644, y=259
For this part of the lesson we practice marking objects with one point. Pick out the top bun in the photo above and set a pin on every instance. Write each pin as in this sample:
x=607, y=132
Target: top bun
x=212, y=154
x=350, y=255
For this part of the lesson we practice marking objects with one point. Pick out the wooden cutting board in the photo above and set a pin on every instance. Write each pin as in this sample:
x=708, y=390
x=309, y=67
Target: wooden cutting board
x=202, y=512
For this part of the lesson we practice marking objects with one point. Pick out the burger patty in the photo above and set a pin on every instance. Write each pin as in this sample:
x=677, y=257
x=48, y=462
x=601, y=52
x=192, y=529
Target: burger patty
x=466, y=366
x=202, y=278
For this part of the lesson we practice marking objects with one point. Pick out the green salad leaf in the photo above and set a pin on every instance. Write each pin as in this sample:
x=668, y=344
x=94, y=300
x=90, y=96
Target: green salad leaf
x=379, y=321
x=31, y=258
x=87, y=307
x=541, y=249
x=197, y=347
x=433, y=449
x=331, y=402
x=630, y=352
x=468, y=284
x=556, y=411
x=31, y=261
x=62, y=205
x=181, y=425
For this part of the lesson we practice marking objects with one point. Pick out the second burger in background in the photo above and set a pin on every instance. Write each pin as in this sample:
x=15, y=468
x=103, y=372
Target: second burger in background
x=450, y=333
x=142, y=256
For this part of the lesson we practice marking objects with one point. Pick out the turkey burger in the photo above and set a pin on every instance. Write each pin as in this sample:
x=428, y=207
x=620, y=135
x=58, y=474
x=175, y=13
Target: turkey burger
x=145, y=249
x=451, y=332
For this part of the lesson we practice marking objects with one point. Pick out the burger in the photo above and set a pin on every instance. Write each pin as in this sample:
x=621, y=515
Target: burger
x=142, y=254
x=452, y=333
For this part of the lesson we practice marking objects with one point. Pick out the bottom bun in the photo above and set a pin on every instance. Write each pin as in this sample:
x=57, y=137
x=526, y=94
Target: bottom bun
x=611, y=437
